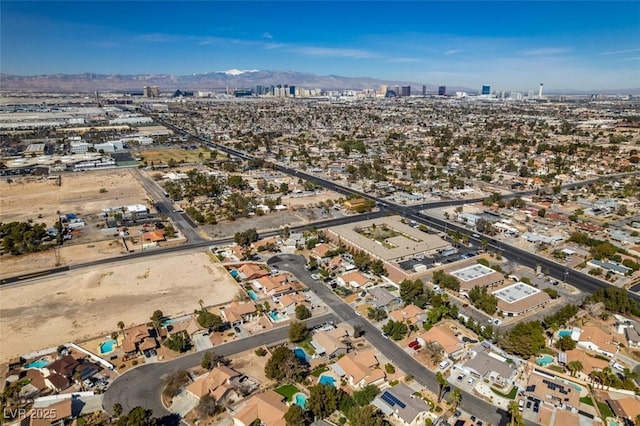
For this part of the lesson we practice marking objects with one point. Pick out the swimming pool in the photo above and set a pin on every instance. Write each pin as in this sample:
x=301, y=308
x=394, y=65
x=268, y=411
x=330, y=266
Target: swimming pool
x=544, y=360
x=275, y=316
x=564, y=333
x=301, y=354
x=301, y=400
x=107, y=346
x=41, y=363
x=252, y=295
x=327, y=380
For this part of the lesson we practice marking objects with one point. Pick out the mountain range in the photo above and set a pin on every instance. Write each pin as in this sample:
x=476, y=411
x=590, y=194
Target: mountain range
x=89, y=82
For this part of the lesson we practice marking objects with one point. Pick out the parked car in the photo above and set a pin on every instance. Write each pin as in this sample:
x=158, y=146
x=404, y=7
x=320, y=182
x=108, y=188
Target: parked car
x=385, y=335
x=417, y=347
x=316, y=277
x=237, y=329
x=413, y=343
x=471, y=380
x=460, y=377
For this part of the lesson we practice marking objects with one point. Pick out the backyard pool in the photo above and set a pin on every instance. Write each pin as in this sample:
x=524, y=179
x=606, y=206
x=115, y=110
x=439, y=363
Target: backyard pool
x=544, y=360
x=41, y=363
x=252, y=295
x=301, y=355
x=107, y=346
x=327, y=380
x=301, y=400
x=275, y=316
x=564, y=333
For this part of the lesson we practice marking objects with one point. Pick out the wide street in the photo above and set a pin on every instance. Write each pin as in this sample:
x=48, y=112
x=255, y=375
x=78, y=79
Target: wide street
x=143, y=385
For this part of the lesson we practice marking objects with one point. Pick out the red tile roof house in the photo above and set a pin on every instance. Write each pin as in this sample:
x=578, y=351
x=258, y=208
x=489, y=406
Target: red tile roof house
x=137, y=340
x=220, y=383
x=238, y=313
x=361, y=369
x=267, y=407
x=251, y=271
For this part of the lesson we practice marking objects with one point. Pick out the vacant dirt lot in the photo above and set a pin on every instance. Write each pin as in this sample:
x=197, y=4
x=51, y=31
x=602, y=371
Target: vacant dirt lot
x=31, y=198
x=87, y=303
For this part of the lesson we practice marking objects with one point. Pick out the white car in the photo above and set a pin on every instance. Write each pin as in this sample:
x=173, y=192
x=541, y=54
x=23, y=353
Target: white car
x=471, y=380
x=316, y=276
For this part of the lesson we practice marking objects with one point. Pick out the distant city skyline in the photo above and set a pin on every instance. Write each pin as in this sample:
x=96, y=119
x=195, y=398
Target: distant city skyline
x=508, y=45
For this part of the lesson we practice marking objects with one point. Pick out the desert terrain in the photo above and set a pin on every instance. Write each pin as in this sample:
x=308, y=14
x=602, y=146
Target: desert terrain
x=79, y=305
x=82, y=193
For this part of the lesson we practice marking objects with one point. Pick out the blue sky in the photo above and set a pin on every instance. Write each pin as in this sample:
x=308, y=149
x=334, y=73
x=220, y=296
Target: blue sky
x=510, y=45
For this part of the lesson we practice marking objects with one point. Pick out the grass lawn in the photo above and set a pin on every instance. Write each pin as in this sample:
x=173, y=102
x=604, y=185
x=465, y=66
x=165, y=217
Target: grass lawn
x=556, y=368
x=586, y=400
x=317, y=372
x=287, y=391
x=511, y=395
x=605, y=410
x=306, y=345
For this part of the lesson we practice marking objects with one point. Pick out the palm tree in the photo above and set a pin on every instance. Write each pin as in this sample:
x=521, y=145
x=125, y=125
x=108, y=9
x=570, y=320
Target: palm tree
x=575, y=367
x=597, y=377
x=201, y=303
x=455, y=397
x=121, y=327
x=442, y=383
x=514, y=413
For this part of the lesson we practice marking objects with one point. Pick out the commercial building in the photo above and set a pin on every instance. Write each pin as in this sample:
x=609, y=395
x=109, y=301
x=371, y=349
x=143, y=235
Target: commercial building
x=151, y=91
x=486, y=90
x=388, y=239
x=442, y=90
x=405, y=91
x=477, y=276
x=519, y=298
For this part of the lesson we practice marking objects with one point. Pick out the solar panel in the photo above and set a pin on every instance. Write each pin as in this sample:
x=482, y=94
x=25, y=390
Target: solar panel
x=392, y=400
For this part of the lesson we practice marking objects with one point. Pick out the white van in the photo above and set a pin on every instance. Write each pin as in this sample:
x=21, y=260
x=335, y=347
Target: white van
x=444, y=364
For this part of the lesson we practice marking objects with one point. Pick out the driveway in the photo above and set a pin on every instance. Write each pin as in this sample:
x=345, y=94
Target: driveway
x=201, y=342
x=183, y=403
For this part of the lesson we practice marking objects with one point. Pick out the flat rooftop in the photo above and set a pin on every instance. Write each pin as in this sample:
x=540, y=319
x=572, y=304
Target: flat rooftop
x=404, y=242
x=472, y=272
x=515, y=292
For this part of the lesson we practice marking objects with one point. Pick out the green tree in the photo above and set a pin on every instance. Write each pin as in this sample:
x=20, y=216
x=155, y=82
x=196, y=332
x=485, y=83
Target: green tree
x=117, y=409
x=442, y=385
x=209, y=320
x=455, y=397
x=565, y=343
x=121, y=327
x=284, y=366
x=324, y=400
x=525, y=339
x=365, y=395
x=397, y=330
x=413, y=292
x=298, y=331
x=366, y=415
x=302, y=312
x=178, y=343
x=296, y=416
x=376, y=314
x=514, y=414
x=575, y=367
x=138, y=417
x=207, y=406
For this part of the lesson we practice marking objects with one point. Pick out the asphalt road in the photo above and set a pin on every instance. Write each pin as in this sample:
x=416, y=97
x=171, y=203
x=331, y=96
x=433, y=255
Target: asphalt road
x=143, y=385
x=470, y=403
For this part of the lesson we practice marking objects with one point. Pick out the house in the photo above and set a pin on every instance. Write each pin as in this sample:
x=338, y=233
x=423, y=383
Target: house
x=445, y=338
x=360, y=369
x=187, y=327
x=488, y=365
x=138, y=339
x=264, y=243
x=320, y=253
x=626, y=408
x=64, y=366
x=353, y=279
x=383, y=299
x=273, y=285
x=266, y=406
x=237, y=313
x=155, y=236
x=36, y=379
x=596, y=340
x=56, y=382
x=289, y=302
x=400, y=404
x=588, y=362
x=410, y=314
x=59, y=413
x=251, y=271
x=331, y=343
x=220, y=383
x=552, y=392
x=355, y=204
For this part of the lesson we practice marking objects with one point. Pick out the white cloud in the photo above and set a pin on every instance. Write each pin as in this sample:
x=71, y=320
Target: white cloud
x=267, y=35
x=404, y=60
x=617, y=52
x=546, y=51
x=452, y=52
x=159, y=38
x=333, y=52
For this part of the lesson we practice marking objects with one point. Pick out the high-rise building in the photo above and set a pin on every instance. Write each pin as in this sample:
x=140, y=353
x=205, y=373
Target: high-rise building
x=486, y=90
x=259, y=89
x=442, y=90
x=424, y=90
x=405, y=91
x=540, y=91
x=292, y=90
x=151, y=91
